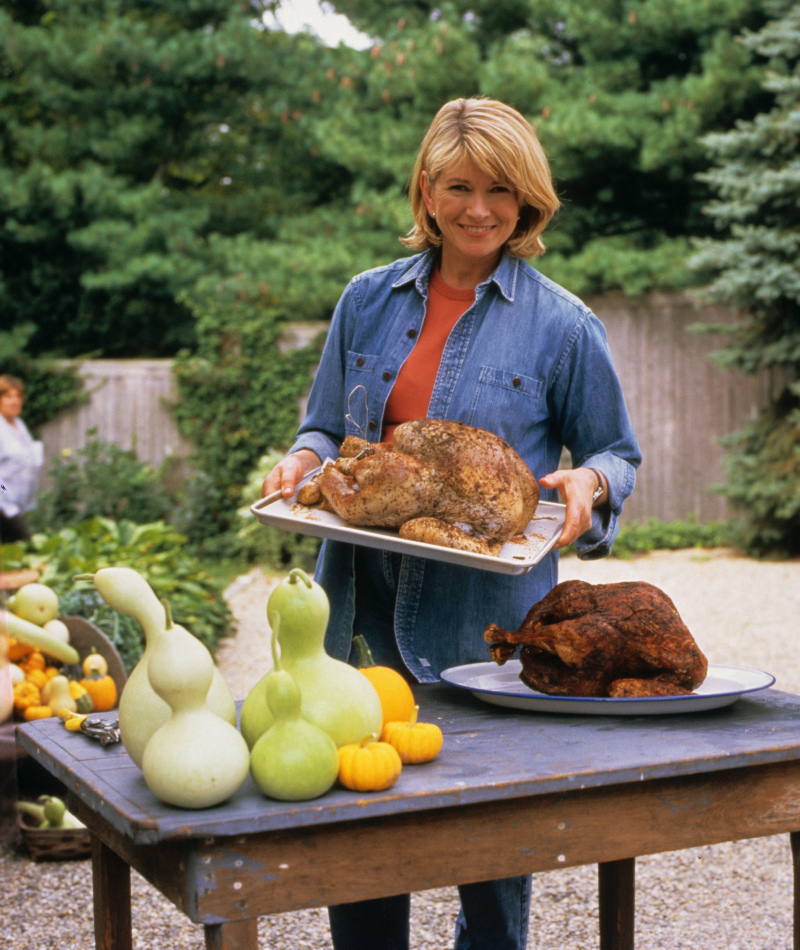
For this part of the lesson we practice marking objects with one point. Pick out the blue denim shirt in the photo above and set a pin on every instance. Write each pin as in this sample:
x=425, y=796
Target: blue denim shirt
x=527, y=361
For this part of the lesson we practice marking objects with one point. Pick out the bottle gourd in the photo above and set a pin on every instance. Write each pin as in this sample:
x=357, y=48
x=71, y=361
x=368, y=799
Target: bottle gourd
x=335, y=696
x=195, y=759
x=141, y=709
x=293, y=760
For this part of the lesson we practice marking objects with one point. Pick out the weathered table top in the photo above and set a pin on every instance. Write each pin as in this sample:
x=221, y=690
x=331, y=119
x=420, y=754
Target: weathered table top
x=490, y=754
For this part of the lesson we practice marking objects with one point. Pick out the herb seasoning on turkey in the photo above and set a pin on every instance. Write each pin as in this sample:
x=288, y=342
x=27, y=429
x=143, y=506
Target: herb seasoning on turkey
x=439, y=482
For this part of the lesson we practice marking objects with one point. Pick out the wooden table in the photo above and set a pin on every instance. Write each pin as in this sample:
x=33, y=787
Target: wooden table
x=512, y=792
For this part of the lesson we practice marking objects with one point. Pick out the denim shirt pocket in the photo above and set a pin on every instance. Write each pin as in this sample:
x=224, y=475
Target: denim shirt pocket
x=507, y=403
x=360, y=369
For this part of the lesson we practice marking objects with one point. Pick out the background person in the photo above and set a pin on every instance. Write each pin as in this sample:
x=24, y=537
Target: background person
x=464, y=330
x=21, y=459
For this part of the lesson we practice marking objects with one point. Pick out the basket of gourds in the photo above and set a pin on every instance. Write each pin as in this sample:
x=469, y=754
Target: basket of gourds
x=50, y=832
x=57, y=662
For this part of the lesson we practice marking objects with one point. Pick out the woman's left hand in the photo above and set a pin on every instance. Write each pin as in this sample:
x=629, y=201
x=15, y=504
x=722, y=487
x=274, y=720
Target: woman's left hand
x=576, y=487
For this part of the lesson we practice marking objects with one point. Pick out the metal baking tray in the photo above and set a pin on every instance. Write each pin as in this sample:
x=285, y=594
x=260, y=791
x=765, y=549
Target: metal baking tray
x=517, y=556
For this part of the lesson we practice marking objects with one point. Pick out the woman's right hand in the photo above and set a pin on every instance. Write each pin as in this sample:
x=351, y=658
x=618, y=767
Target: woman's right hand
x=289, y=471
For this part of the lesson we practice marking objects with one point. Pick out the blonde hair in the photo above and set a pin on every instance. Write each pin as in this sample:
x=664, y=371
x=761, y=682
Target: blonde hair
x=9, y=383
x=502, y=144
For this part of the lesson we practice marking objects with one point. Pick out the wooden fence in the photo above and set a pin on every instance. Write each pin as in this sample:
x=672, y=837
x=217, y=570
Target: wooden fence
x=681, y=404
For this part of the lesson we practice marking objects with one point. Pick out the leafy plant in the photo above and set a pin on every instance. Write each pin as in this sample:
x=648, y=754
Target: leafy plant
x=102, y=480
x=238, y=393
x=155, y=550
x=654, y=535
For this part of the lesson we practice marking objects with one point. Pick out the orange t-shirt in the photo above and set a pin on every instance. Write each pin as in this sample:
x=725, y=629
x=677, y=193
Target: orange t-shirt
x=411, y=393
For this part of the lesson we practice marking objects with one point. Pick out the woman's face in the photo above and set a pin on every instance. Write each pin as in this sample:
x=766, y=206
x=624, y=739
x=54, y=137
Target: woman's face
x=476, y=214
x=11, y=404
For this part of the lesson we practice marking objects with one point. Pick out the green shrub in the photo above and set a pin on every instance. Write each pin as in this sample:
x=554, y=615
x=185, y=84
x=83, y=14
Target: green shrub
x=654, y=535
x=99, y=480
x=156, y=551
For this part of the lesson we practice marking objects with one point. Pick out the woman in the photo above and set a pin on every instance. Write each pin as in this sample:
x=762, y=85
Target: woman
x=464, y=330
x=20, y=462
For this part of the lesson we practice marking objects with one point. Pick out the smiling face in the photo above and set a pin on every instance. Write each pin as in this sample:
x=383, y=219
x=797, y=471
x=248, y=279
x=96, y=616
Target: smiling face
x=476, y=215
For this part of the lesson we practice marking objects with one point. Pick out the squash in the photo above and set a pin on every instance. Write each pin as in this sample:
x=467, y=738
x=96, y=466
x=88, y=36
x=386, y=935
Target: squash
x=57, y=695
x=196, y=759
x=37, y=712
x=26, y=694
x=369, y=765
x=83, y=700
x=30, y=635
x=98, y=684
x=335, y=696
x=293, y=760
x=141, y=709
x=415, y=741
x=397, y=700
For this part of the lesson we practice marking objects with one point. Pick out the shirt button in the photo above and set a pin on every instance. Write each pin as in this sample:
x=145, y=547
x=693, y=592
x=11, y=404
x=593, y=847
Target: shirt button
x=411, y=333
x=517, y=382
x=387, y=376
x=360, y=361
x=372, y=425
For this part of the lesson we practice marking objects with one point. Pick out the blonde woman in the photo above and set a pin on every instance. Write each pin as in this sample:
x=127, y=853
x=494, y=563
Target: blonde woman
x=465, y=330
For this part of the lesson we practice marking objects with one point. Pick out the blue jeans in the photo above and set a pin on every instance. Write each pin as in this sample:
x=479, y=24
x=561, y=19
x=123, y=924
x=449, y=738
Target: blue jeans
x=493, y=916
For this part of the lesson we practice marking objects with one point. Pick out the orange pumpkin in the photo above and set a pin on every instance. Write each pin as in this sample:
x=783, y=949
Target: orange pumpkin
x=97, y=682
x=397, y=700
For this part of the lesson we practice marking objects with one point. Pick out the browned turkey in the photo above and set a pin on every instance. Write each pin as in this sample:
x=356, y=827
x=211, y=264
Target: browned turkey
x=623, y=640
x=439, y=481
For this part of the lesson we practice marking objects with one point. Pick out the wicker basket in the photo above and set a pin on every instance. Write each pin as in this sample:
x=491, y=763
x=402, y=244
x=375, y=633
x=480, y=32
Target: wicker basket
x=54, y=844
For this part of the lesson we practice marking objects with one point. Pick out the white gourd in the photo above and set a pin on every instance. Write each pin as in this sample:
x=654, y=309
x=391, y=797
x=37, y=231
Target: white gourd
x=141, y=709
x=195, y=759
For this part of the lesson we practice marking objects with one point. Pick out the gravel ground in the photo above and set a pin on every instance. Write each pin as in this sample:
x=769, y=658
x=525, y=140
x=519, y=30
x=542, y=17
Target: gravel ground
x=734, y=896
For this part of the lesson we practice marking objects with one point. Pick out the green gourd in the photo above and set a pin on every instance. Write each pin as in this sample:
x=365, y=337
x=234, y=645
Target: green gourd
x=293, y=760
x=195, y=759
x=141, y=709
x=335, y=696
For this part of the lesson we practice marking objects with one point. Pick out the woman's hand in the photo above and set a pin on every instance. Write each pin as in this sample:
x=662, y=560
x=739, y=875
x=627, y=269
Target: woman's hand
x=289, y=471
x=576, y=486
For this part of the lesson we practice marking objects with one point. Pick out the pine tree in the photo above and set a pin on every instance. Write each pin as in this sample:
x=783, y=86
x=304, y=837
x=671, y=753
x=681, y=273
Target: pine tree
x=134, y=138
x=756, y=266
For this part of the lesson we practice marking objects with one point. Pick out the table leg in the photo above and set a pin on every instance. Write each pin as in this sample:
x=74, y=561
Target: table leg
x=616, y=888
x=233, y=935
x=111, y=884
x=794, y=839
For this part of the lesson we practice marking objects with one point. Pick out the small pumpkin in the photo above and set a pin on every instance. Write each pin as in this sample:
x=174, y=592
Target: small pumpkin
x=397, y=700
x=26, y=694
x=33, y=661
x=17, y=651
x=38, y=677
x=97, y=682
x=369, y=765
x=37, y=712
x=414, y=741
x=94, y=664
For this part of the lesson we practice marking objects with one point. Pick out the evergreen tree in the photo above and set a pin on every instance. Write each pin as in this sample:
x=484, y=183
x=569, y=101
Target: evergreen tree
x=756, y=263
x=620, y=94
x=134, y=135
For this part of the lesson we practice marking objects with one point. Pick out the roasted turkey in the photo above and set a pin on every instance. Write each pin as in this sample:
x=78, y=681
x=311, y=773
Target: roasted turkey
x=622, y=640
x=441, y=482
